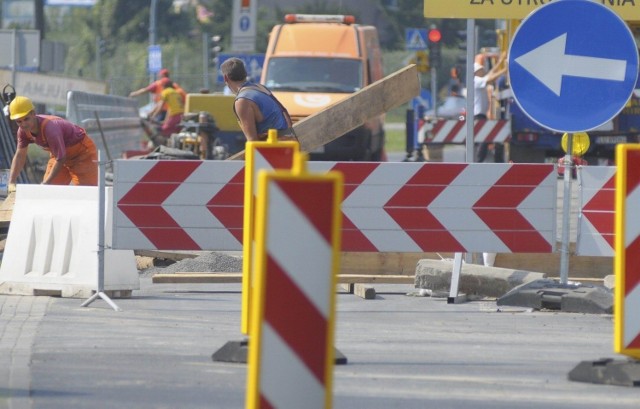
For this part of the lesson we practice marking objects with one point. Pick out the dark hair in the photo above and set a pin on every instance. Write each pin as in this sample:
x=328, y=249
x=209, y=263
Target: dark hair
x=234, y=69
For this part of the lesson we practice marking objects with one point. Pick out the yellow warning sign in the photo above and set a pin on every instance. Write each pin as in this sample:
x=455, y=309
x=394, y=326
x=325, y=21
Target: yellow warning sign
x=579, y=144
x=510, y=9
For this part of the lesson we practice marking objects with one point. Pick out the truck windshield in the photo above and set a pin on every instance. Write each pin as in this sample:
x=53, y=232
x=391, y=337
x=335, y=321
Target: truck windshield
x=305, y=74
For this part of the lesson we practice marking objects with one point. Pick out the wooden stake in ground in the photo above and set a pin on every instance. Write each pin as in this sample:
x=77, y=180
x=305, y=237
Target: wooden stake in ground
x=336, y=120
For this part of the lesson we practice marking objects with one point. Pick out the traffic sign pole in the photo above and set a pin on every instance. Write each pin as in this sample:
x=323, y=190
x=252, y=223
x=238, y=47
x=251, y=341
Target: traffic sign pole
x=566, y=211
x=569, y=78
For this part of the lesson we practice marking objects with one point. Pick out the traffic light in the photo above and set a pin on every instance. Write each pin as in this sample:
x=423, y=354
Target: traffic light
x=215, y=50
x=435, y=46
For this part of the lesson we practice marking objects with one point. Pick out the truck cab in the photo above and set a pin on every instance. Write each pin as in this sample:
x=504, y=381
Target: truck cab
x=313, y=61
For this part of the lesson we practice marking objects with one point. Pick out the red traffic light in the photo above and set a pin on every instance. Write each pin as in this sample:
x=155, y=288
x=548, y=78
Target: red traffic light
x=435, y=35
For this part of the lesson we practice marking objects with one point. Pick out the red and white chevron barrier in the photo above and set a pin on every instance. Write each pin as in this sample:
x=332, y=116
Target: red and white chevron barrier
x=597, y=210
x=296, y=262
x=627, y=245
x=449, y=131
x=388, y=207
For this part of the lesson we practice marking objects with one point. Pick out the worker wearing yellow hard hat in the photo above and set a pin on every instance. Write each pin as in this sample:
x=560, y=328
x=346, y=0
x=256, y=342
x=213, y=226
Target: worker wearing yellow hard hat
x=73, y=158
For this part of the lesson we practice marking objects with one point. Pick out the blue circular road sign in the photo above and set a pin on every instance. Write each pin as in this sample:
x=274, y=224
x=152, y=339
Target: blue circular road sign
x=573, y=65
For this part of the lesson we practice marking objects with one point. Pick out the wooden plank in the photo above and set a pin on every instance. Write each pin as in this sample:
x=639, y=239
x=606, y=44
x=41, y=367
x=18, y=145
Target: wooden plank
x=197, y=278
x=336, y=120
x=364, y=291
x=372, y=278
x=385, y=263
x=168, y=255
x=219, y=278
x=6, y=210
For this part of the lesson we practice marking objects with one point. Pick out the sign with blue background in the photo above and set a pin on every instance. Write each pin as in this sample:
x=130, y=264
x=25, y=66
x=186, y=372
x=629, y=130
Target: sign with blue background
x=415, y=39
x=252, y=62
x=573, y=65
x=154, y=59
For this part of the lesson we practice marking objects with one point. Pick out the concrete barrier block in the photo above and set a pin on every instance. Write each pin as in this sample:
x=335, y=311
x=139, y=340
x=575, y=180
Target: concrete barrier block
x=52, y=245
x=475, y=280
x=550, y=294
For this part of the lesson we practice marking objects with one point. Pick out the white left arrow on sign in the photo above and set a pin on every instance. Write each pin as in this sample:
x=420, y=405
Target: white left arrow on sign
x=549, y=63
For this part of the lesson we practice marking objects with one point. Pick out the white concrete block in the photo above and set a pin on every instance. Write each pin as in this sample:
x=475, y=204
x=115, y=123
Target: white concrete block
x=52, y=245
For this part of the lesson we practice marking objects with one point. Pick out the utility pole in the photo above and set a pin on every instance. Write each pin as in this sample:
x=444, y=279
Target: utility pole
x=152, y=36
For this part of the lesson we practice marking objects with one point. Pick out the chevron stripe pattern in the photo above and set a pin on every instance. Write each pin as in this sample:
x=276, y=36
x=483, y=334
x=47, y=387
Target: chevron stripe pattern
x=387, y=207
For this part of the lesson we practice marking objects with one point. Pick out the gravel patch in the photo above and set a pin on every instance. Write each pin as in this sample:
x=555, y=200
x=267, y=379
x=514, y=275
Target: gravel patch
x=205, y=263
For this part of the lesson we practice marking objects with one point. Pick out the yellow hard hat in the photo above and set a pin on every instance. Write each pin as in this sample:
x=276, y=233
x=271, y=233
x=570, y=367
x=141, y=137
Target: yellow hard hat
x=19, y=107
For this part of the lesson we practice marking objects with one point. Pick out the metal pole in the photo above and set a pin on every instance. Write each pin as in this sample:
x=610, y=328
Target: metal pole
x=471, y=92
x=14, y=54
x=98, y=58
x=470, y=88
x=152, y=36
x=566, y=210
x=434, y=91
x=205, y=59
x=101, y=220
x=457, y=264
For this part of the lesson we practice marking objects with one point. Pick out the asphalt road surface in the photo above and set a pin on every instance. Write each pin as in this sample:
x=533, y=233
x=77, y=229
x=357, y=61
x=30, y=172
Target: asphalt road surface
x=403, y=352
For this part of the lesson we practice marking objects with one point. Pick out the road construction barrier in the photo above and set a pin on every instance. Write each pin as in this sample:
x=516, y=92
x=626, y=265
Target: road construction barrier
x=52, y=245
x=269, y=155
x=296, y=262
x=596, y=215
x=113, y=122
x=451, y=131
x=627, y=255
x=388, y=207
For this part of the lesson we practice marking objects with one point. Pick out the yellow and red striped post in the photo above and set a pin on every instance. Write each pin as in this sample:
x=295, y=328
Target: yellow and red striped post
x=269, y=155
x=291, y=354
x=627, y=251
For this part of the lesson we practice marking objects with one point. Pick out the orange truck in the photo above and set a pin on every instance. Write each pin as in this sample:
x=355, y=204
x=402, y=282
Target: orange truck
x=313, y=61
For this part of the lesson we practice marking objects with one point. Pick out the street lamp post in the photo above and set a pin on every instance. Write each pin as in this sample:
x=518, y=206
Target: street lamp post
x=152, y=34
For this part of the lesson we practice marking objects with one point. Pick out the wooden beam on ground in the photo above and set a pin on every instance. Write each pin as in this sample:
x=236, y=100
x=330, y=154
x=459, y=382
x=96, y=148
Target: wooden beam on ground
x=167, y=255
x=6, y=210
x=225, y=278
x=336, y=120
x=385, y=263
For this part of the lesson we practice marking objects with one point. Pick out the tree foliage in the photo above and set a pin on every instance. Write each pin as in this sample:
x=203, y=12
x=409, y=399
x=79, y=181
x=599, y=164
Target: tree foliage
x=123, y=25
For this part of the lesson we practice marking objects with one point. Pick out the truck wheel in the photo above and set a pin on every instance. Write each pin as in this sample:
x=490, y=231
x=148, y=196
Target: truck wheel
x=525, y=154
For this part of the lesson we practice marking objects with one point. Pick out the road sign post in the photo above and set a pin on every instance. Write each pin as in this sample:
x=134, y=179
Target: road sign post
x=154, y=59
x=570, y=78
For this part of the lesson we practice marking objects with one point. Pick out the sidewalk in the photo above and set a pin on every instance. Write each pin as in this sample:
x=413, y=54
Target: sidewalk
x=402, y=351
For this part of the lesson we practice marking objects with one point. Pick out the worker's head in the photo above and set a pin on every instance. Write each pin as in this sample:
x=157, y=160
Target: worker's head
x=166, y=83
x=233, y=69
x=478, y=69
x=20, y=107
x=163, y=73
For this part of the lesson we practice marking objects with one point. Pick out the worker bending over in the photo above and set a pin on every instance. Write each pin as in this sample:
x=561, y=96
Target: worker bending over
x=73, y=157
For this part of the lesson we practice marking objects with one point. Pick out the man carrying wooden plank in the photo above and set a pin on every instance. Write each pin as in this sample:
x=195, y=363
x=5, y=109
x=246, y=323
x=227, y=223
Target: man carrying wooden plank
x=336, y=120
x=255, y=106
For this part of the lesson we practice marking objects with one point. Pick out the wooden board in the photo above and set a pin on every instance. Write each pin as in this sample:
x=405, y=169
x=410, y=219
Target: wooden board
x=6, y=210
x=336, y=120
x=168, y=255
x=219, y=278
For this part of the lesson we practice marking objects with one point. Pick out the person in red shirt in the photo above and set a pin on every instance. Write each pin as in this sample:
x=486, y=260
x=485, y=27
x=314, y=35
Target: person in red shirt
x=73, y=157
x=172, y=100
x=156, y=89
